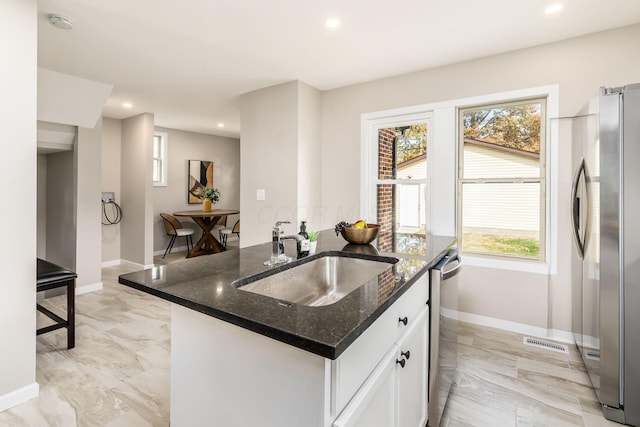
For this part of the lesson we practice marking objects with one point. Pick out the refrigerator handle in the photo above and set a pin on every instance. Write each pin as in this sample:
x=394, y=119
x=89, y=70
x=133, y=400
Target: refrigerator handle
x=575, y=208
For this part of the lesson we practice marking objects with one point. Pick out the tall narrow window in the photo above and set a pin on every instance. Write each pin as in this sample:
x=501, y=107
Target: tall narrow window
x=402, y=187
x=160, y=159
x=502, y=180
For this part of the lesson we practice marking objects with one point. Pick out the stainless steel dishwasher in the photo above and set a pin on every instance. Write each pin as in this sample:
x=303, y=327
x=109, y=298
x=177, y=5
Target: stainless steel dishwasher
x=443, y=340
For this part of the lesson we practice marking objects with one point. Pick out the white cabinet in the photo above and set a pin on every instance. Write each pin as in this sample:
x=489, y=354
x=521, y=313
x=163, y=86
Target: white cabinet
x=375, y=404
x=237, y=377
x=395, y=394
x=411, y=380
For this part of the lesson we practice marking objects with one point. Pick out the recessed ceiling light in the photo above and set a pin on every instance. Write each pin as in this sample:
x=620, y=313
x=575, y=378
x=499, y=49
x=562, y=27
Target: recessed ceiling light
x=332, y=23
x=127, y=104
x=554, y=8
x=220, y=125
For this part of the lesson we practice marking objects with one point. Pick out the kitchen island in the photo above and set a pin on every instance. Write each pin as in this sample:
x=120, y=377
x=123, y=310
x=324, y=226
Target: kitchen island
x=241, y=358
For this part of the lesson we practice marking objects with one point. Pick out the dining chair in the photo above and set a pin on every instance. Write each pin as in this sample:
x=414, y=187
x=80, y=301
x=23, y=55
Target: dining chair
x=222, y=223
x=175, y=229
x=226, y=232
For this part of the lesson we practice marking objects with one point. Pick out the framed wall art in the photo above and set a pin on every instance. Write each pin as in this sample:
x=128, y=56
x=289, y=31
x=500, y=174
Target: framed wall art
x=200, y=175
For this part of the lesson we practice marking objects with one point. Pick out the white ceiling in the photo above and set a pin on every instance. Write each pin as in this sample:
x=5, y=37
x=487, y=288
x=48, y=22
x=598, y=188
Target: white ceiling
x=187, y=61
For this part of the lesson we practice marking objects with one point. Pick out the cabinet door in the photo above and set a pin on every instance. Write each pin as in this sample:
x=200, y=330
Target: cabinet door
x=411, y=392
x=374, y=404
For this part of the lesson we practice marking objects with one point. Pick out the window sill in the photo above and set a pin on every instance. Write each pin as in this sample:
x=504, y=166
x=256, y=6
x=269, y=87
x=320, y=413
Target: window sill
x=160, y=184
x=538, y=267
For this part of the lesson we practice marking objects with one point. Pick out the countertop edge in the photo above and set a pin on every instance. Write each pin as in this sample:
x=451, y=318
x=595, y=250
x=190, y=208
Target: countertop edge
x=301, y=342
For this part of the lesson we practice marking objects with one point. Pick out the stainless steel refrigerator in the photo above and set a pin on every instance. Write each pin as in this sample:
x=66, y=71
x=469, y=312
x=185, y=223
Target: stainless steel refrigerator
x=606, y=256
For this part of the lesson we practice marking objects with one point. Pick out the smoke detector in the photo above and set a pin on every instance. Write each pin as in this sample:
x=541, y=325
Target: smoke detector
x=60, y=21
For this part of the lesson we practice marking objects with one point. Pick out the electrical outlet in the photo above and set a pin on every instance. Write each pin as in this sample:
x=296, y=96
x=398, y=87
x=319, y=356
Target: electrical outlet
x=108, y=196
x=260, y=194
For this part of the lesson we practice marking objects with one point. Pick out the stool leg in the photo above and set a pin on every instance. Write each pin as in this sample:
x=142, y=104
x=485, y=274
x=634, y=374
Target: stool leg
x=71, y=314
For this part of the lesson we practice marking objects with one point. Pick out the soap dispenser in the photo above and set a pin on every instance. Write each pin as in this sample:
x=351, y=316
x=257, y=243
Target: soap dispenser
x=303, y=244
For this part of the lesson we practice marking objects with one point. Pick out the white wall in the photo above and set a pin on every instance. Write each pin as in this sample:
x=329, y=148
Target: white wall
x=41, y=227
x=579, y=66
x=87, y=153
x=111, y=154
x=136, y=239
x=309, y=152
x=269, y=156
x=61, y=209
x=182, y=147
x=18, y=85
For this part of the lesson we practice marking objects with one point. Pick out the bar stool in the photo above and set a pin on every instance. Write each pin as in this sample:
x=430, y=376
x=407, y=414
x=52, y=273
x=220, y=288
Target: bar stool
x=52, y=276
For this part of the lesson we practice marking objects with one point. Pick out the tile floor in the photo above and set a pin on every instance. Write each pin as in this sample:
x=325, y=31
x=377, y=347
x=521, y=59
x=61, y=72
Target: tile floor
x=118, y=374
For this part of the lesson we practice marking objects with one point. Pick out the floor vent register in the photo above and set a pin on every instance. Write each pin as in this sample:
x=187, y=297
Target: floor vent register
x=560, y=348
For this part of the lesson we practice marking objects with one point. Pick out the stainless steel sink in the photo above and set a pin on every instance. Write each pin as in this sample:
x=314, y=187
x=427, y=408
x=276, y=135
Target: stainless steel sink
x=322, y=281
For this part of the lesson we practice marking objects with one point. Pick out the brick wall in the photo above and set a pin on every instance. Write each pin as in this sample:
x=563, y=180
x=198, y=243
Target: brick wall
x=386, y=170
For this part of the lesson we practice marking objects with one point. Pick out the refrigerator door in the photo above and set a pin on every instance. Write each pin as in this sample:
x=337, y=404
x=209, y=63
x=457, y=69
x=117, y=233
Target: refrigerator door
x=631, y=261
x=605, y=306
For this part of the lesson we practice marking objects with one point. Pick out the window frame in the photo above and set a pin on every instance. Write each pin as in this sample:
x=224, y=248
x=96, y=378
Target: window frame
x=164, y=141
x=369, y=187
x=541, y=180
x=444, y=156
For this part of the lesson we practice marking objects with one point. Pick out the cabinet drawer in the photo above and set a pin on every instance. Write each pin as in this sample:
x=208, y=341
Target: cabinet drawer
x=409, y=305
x=353, y=367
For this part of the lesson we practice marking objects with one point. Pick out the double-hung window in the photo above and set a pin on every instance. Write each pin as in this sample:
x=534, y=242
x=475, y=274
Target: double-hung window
x=501, y=180
x=402, y=199
x=160, y=159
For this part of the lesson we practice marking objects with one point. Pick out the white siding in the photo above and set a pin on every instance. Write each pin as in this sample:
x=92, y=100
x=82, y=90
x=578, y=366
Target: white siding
x=416, y=170
x=512, y=208
x=485, y=162
x=507, y=208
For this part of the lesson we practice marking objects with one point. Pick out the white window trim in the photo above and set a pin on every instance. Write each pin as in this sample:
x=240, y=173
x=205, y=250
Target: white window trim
x=371, y=122
x=369, y=159
x=163, y=155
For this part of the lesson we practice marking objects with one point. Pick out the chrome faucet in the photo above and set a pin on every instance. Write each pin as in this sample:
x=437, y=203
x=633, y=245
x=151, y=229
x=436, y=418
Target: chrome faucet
x=277, y=244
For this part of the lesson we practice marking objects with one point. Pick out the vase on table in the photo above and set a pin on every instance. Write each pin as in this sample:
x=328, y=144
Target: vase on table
x=206, y=205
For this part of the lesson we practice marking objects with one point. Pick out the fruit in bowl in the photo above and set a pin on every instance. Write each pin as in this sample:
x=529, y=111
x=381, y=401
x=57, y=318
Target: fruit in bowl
x=359, y=233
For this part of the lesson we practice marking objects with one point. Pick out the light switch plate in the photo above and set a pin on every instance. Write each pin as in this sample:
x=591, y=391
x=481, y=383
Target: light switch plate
x=260, y=194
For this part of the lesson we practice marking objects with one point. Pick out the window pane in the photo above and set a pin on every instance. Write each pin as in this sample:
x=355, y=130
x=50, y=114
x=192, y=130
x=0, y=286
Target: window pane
x=402, y=152
x=502, y=142
x=402, y=218
x=157, y=143
x=501, y=218
x=156, y=170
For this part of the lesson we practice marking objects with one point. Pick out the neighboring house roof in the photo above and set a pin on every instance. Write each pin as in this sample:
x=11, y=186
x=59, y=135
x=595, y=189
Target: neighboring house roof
x=407, y=163
x=501, y=148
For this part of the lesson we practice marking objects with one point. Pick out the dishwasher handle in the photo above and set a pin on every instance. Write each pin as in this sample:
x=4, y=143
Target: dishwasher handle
x=447, y=274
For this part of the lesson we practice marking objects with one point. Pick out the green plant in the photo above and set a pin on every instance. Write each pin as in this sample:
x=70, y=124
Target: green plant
x=313, y=235
x=210, y=193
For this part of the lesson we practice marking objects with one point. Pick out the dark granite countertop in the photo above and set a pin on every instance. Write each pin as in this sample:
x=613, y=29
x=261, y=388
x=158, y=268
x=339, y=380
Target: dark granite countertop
x=204, y=284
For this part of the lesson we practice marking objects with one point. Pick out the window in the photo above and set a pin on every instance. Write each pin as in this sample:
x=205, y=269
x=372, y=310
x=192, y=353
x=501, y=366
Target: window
x=401, y=186
x=501, y=181
x=160, y=159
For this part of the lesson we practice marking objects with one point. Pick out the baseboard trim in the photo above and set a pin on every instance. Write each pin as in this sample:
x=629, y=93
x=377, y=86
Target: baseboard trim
x=135, y=265
x=19, y=396
x=111, y=263
x=174, y=249
x=85, y=289
x=507, y=325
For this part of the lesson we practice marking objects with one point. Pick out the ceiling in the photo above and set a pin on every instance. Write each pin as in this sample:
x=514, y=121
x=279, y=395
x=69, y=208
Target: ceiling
x=187, y=61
